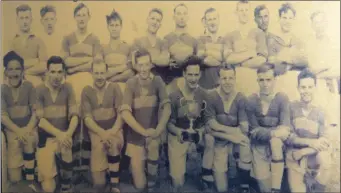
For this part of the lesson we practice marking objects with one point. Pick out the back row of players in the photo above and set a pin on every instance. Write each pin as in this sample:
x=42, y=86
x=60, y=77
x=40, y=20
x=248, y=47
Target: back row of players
x=266, y=119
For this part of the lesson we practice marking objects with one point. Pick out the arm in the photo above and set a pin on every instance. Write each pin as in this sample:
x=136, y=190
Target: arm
x=223, y=128
x=69, y=60
x=48, y=127
x=86, y=67
x=35, y=67
x=172, y=120
x=254, y=62
x=72, y=111
x=161, y=59
x=164, y=105
x=5, y=120
x=257, y=132
x=122, y=77
x=116, y=70
x=240, y=57
x=118, y=125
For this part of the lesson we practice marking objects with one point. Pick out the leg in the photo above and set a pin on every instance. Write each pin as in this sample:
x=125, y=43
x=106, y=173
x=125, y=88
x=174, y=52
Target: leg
x=29, y=156
x=99, y=180
x=220, y=168
x=66, y=168
x=296, y=180
x=137, y=164
x=244, y=166
x=15, y=159
x=4, y=163
x=277, y=163
x=207, y=160
x=261, y=167
x=152, y=161
x=323, y=159
x=298, y=154
x=114, y=159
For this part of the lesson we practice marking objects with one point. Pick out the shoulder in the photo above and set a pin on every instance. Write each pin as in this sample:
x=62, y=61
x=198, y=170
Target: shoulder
x=4, y=88
x=212, y=95
x=87, y=90
x=68, y=87
x=252, y=100
x=169, y=36
x=28, y=85
x=132, y=82
x=282, y=97
x=158, y=80
x=203, y=93
x=175, y=95
x=93, y=37
x=241, y=97
x=41, y=89
x=69, y=37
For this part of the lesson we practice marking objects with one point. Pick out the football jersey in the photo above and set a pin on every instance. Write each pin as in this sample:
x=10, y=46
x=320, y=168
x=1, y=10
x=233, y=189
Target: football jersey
x=109, y=54
x=144, y=101
x=31, y=47
x=18, y=110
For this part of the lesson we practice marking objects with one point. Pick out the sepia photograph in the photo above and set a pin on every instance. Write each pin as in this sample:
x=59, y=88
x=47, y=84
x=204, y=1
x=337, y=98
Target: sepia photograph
x=170, y=96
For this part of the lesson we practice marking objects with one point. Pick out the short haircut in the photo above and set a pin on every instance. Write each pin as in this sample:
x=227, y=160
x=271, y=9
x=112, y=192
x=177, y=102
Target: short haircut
x=209, y=10
x=265, y=68
x=140, y=53
x=156, y=10
x=241, y=2
x=114, y=16
x=180, y=5
x=306, y=73
x=285, y=8
x=23, y=7
x=79, y=7
x=46, y=9
x=316, y=13
x=99, y=62
x=12, y=55
x=192, y=61
x=226, y=66
x=55, y=60
x=258, y=9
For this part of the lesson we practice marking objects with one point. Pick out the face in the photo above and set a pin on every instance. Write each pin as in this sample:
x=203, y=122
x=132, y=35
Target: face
x=306, y=89
x=115, y=28
x=24, y=20
x=212, y=21
x=192, y=76
x=262, y=19
x=49, y=21
x=181, y=16
x=82, y=18
x=319, y=23
x=154, y=22
x=143, y=66
x=227, y=80
x=243, y=12
x=286, y=20
x=266, y=82
x=55, y=75
x=14, y=73
x=99, y=72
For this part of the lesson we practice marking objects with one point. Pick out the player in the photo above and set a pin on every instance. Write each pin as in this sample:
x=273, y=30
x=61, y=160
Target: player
x=287, y=52
x=227, y=119
x=58, y=118
x=186, y=99
x=269, y=119
x=262, y=18
x=144, y=95
x=309, y=150
x=99, y=110
x=19, y=120
x=30, y=47
x=245, y=48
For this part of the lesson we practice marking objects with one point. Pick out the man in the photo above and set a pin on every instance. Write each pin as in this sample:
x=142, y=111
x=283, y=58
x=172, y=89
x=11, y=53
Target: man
x=188, y=102
x=30, y=47
x=144, y=95
x=261, y=14
x=287, y=52
x=19, y=120
x=227, y=119
x=58, y=119
x=99, y=109
x=269, y=119
x=245, y=48
x=309, y=150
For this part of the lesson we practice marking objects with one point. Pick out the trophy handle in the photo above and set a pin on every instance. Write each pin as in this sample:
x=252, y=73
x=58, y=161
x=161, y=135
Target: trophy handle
x=182, y=100
x=204, y=105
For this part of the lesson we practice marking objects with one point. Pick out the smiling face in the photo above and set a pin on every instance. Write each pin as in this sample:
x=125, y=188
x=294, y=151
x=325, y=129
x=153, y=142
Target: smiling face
x=55, y=75
x=243, y=12
x=306, y=89
x=99, y=74
x=192, y=75
x=262, y=20
x=82, y=18
x=227, y=80
x=14, y=73
x=24, y=20
x=212, y=21
x=49, y=21
x=286, y=20
x=154, y=22
x=266, y=82
x=114, y=28
x=319, y=23
x=143, y=66
x=181, y=16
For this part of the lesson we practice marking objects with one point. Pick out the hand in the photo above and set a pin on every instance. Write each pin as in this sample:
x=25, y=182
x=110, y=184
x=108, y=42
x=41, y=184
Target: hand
x=105, y=137
x=150, y=132
x=319, y=144
x=71, y=70
x=179, y=136
x=64, y=139
x=240, y=139
x=252, y=53
x=22, y=135
x=281, y=133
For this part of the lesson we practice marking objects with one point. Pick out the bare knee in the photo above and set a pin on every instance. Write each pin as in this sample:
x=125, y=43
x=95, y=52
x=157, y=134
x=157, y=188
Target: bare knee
x=15, y=174
x=264, y=185
x=49, y=185
x=139, y=176
x=276, y=147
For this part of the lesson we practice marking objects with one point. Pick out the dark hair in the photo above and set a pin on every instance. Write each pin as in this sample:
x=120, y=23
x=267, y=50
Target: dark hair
x=79, y=7
x=114, y=16
x=141, y=52
x=55, y=60
x=12, y=55
x=99, y=61
x=23, y=7
x=265, y=68
x=242, y=2
x=156, y=10
x=180, y=5
x=46, y=9
x=192, y=61
x=316, y=13
x=306, y=73
x=209, y=10
x=226, y=66
x=258, y=9
x=285, y=8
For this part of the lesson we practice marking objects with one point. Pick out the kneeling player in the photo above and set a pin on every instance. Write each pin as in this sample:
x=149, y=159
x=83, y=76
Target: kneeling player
x=99, y=108
x=226, y=116
x=18, y=118
x=58, y=119
x=143, y=96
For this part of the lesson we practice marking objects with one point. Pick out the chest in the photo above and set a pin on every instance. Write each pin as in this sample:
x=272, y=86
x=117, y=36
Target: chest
x=182, y=39
x=26, y=47
x=306, y=122
x=17, y=97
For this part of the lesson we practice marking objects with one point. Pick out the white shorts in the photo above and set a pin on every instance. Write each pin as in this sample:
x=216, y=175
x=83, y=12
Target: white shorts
x=261, y=162
x=150, y=151
x=221, y=154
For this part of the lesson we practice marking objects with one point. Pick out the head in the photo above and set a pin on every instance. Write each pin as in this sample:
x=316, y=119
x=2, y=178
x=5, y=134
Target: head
x=48, y=18
x=154, y=20
x=192, y=71
x=180, y=15
x=114, y=23
x=318, y=22
x=143, y=63
x=82, y=16
x=211, y=20
x=227, y=78
x=99, y=71
x=55, y=71
x=287, y=14
x=24, y=18
x=262, y=17
x=266, y=79
x=306, y=85
x=14, y=68
x=242, y=11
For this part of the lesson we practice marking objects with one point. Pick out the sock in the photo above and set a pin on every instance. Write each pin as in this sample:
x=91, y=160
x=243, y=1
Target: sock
x=207, y=175
x=165, y=150
x=66, y=175
x=114, y=170
x=244, y=178
x=152, y=169
x=277, y=169
x=86, y=150
x=29, y=160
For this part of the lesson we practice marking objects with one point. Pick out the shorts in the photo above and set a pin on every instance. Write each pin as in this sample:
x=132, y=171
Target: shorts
x=221, y=154
x=261, y=162
x=150, y=150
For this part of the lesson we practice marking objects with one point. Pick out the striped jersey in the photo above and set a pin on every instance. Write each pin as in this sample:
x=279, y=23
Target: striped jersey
x=109, y=54
x=30, y=47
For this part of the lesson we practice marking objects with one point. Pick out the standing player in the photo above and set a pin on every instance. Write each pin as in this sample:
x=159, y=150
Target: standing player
x=262, y=18
x=58, y=119
x=18, y=119
x=99, y=110
x=31, y=48
x=269, y=119
x=245, y=48
x=144, y=95
x=309, y=150
x=226, y=116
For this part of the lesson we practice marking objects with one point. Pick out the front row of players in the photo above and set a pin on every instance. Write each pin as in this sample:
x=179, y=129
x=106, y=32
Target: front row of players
x=259, y=126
